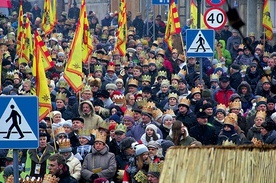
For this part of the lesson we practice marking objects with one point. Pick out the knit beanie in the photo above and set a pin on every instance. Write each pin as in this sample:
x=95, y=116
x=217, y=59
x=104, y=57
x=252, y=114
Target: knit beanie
x=129, y=118
x=166, y=117
x=152, y=126
x=115, y=117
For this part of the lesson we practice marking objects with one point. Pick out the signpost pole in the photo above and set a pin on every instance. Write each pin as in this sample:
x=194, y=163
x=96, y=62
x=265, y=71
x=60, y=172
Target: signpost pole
x=198, y=26
x=15, y=166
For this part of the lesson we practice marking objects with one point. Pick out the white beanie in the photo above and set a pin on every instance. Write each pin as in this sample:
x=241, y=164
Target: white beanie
x=273, y=116
x=166, y=117
x=119, y=80
x=152, y=126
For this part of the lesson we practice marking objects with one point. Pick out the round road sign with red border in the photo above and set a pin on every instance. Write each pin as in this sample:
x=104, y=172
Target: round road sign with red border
x=216, y=2
x=215, y=18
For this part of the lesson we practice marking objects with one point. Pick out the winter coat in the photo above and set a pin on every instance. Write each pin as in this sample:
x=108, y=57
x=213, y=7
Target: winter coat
x=218, y=125
x=225, y=54
x=114, y=147
x=187, y=141
x=188, y=119
x=252, y=79
x=235, y=80
x=92, y=120
x=139, y=25
x=74, y=166
x=99, y=159
x=205, y=134
x=65, y=177
x=245, y=98
x=138, y=130
x=269, y=138
x=165, y=131
x=254, y=132
x=222, y=96
x=232, y=40
x=235, y=138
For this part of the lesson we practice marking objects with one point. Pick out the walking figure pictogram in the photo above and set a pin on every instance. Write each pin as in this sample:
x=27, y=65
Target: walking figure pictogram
x=14, y=114
x=201, y=41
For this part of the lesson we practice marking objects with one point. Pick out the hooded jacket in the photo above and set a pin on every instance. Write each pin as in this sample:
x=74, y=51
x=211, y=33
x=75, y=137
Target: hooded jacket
x=91, y=120
x=247, y=97
x=225, y=54
x=99, y=159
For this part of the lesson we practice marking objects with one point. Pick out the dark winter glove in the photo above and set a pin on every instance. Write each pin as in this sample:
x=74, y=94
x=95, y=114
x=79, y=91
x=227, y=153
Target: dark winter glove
x=94, y=176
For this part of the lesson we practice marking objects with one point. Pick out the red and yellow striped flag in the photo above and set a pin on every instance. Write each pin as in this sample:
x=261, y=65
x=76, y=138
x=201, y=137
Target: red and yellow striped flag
x=194, y=17
x=173, y=24
x=42, y=90
x=122, y=30
x=47, y=18
x=267, y=22
x=54, y=10
x=20, y=31
x=73, y=69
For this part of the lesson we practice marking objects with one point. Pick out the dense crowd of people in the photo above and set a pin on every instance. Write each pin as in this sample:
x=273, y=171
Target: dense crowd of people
x=132, y=108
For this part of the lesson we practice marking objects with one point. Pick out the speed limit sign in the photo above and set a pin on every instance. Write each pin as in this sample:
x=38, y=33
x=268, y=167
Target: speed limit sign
x=215, y=18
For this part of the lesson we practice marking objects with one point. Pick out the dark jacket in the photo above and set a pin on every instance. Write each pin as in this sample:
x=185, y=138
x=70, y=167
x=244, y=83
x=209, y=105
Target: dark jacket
x=188, y=119
x=113, y=147
x=206, y=134
x=65, y=177
x=254, y=132
x=247, y=97
x=235, y=138
x=269, y=138
x=235, y=80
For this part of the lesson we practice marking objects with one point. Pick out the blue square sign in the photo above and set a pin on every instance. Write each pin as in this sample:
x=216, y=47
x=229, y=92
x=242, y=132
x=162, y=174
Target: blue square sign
x=19, y=122
x=200, y=43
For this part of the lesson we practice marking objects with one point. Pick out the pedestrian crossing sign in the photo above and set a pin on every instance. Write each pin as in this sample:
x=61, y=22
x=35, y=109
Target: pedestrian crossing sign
x=200, y=42
x=19, y=122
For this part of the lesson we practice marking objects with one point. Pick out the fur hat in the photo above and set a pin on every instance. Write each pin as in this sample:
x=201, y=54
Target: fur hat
x=111, y=86
x=126, y=143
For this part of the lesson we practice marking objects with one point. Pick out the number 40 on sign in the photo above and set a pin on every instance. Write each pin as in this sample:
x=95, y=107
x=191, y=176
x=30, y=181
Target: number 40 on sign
x=215, y=18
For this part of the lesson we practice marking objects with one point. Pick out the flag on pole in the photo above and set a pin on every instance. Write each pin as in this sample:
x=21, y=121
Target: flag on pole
x=87, y=46
x=54, y=10
x=173, y=24
x=194, y=17
x=20, y=31
x=48, y=17
x=121, y=33
x=267, y=22
x=73, y=69
x=42, y=90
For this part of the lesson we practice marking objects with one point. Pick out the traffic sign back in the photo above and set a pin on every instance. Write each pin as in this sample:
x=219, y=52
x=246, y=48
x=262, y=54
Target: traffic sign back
x=19, y=122
x=200, y=43
x=162, y=2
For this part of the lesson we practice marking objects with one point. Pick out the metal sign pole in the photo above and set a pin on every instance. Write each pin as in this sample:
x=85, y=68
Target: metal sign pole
x=15, y=166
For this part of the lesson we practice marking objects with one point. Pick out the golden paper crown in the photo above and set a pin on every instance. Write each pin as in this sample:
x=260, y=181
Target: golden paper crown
x=267, y=70
x=155, y=167
x=61, y=96
x=221, y=106
x=157, y=113
x=181, y=57
x=94, y=55
x=146, y=78
x=49, y=178
x=62, y=84
x=195, y=90
x=84, y=132
x=234, y=116
x=235, y=105
x=219, y=65
x=259, y=46
x=162, y=73
x=121, y=127
x=228, y=143
x=140, y=176
x=86, y=88
x=229, y=120
x=119, y=99
x=94, y=81
x=266, y=54
x=165, y=82
x=132, y=81
x=183, y=72
x=149, y=107
x=161, y=52
x=111, y=67
x=265, y=79
x=184, y=101
x=64, y=143
x=142, y=54
x=243, y=68
x=100, y=137
x=261, y=114
x=28, y=69
x=10, y=75
x=214, y=77
x=129, y=113
x=59, y=130
x=98, y=68
x=117, y=62
x=141, y=103
x=104, y=125
x=145, y=62
x=152, y=61
x=261, y=99
x=175, y=77
x=173, y=95
x=241, y=46
x=169, y=111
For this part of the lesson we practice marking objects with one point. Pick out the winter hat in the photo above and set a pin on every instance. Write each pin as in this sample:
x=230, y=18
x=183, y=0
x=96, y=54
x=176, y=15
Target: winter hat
x=152, y=126
x=126, y=143
x=129, y=118
x=112, y=127
x=140, y=149
x=153, y=144
x=67, y=123
x=273, y=116
x=115, y=117
x=234, y=96
x=166, y=144
x=8, y=170
x=111, y=86
x=269, y=126
x=72, y=100
x=206, y=106
x=42, y=125
x=98, y=102
x=166, y=117
x=206, y=93
x=56, y=113
x=7, y=89
x=119, y=80
x=235, y=66
x=103, y=93
x=218, y=69
x=6, y=62
x=214, y=61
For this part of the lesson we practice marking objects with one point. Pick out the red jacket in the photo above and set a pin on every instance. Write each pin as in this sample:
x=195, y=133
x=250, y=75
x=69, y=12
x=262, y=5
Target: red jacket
x=222, y=96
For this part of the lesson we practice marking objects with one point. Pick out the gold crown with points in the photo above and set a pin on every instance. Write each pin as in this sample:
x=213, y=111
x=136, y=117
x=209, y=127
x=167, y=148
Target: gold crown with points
x=152, y=61
x=98, y=68
x=184, y=101
x=170, y=112
x=129, y=113
x=228, y=143
x=61, y=96
x=140, y=176
x=195, y=90
x=162, y=73
x=49, y=178
x=235, y=105
x=221, y=106
x=9, y=75
x=121, y=128
x=100, y=137
x=267, y=70
x=149, y=107
x=241, y=46
x=229, y=120
x=165, y=82
x=261, y=114
x=146, y=78
x=93, y=132
x=64, y=143
x=84, y=132
x=119, y=99
x=265, y=79
x=214, y=77
x=62, y=84
x=266, y=54
x=181, y=57
x=86, y=88
x=234, y=116
x=142, y=102
x=173, y=95
x=175, y=77
x=28, y=69
x=145, y=63
x=243, y=68
x=59, y=130
x=157, y=113
x=133, y=82
x=156, y=167
x=161, y=52
x=111, y=67
x=259, y=46
x=261, y=99
x=104, y=125
x=182, y=72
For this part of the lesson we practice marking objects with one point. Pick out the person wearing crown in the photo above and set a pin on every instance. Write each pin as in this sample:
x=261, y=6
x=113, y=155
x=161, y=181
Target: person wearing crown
x=99, y=163
x=61, y=106
x=110, y=76
x=255, y=130
x=172, y=102
x=120, y=134
x=265, y=88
